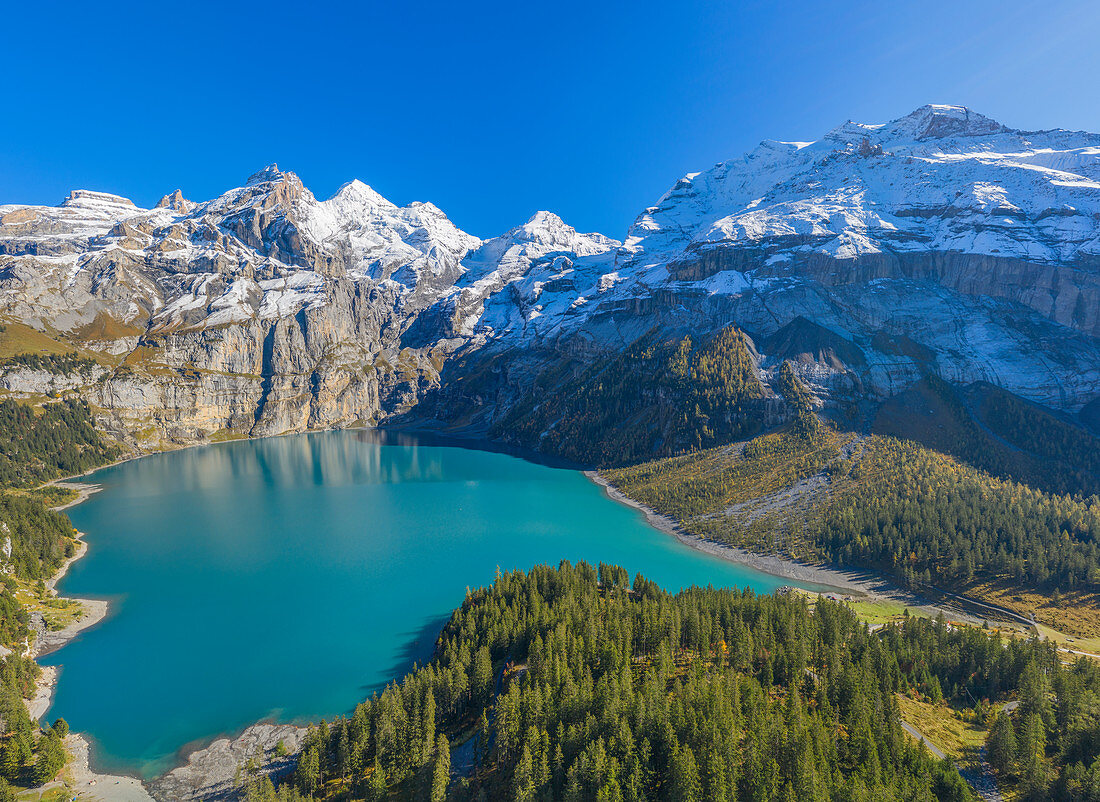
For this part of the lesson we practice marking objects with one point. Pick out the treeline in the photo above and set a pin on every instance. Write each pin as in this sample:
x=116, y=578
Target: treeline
x=997, y=432
x=922, y=516
x=56, y=440
x=1072, y=448
x=575, y=684
x=1049, y=746
x=66, y=364
x=891, y=505
x=697, y=488
x=797, y=396
x=29, y=755
x=656, y=398
x=41, y=539
x=35, y=446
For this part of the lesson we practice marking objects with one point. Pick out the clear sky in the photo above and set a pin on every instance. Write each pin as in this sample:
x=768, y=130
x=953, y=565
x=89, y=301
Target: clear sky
x=494, y=110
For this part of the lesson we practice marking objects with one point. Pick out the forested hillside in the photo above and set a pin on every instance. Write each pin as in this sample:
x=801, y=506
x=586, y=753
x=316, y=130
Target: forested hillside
x=36, y=444
x=908, y=510
x=40, y=540
x=880, y=503
x=56, y=439
x=573, y=684
x=997, y=432
x=656, y=398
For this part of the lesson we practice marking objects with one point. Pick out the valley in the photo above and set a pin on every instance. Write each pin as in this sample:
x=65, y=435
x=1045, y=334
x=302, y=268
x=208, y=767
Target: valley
x=869, y=362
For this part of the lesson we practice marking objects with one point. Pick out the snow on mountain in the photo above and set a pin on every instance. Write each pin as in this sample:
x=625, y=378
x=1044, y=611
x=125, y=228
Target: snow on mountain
x=941, y=178
x=943, y=227
x=544, y=264
x=382, y=239
x=259, y=250
x=975, y=245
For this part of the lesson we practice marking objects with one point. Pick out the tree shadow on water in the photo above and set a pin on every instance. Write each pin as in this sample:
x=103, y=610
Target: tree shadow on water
x=417, y=649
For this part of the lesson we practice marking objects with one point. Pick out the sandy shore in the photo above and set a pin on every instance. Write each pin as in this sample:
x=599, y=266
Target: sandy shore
x=94, y=611
x=82, y=489
x=864, y=585
x=87, y=784
x=84, y=782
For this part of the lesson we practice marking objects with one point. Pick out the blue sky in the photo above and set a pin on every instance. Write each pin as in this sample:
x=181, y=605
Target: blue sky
x=495, y=110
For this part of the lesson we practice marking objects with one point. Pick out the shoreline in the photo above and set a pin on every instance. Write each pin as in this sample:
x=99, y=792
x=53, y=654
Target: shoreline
x=867, y=585
x=208, y=765
x=94, y=611
x=83, y=490
x=86, y=783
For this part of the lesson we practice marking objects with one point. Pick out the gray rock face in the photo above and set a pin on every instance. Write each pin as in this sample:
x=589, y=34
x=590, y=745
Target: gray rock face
x=219, y=772
x=940, y=242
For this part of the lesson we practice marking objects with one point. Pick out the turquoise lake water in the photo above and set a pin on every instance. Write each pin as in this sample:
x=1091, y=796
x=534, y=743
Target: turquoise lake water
x=288, y=578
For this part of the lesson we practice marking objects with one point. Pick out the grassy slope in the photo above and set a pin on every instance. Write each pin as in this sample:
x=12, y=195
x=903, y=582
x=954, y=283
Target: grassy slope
x=19, y=338
x=719, y=493
x=952, y=730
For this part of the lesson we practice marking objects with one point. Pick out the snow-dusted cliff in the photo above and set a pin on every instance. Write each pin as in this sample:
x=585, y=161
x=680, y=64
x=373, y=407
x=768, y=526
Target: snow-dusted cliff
x=940, y=242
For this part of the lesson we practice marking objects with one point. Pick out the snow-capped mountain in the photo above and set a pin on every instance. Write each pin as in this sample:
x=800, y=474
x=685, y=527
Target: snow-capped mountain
x=940, y=179
x=976, y=241
x=265, y=309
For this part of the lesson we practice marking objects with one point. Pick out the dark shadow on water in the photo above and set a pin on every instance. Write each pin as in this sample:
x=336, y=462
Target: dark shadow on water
x=402, y=436
x=417, y=650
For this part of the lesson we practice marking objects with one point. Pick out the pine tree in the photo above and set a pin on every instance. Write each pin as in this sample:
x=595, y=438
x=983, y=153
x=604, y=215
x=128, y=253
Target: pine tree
x=376, y=785
x=309, y=769
x=441, y=770
x=685, y=785
x=481, y=683
x=11, y=761
x=50, y=759
x=1001, y=744
x=523, y=783
x=1031, y=755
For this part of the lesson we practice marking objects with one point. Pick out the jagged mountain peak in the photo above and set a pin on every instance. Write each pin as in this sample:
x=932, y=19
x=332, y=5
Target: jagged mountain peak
x=940, y=237
x=545, y=231
x=361, y=194
x=930, y=121
x=267, y=174
x=941, y=178
x=176, y=202
x=544, y=219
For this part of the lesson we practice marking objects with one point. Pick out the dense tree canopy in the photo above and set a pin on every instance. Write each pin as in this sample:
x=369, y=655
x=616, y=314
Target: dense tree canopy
x=574, y=684
x=881, y=503
x=41, y=444
x=912, y=512
x=655, y=398
x=35, y=445
x=51, y=363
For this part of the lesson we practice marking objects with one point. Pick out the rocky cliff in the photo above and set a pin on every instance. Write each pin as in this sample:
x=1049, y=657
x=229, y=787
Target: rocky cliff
x=940, y=243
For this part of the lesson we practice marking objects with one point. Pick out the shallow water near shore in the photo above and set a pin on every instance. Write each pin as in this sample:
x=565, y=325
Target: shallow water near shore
x=288, y=578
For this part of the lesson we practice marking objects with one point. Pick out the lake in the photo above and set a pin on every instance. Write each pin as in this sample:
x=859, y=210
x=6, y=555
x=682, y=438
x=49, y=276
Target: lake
x=288, y=578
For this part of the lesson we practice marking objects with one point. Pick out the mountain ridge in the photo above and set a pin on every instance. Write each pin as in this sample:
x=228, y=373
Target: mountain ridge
x=977, y=242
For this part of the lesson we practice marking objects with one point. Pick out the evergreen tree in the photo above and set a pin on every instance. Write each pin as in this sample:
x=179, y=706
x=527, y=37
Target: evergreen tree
x=685, y=786
x=376, y=784
x=1031, y=755
x=1001, y=744
x=441, y=769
